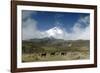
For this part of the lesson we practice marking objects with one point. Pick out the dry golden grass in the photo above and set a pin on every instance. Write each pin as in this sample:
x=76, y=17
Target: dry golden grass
x=69, y=56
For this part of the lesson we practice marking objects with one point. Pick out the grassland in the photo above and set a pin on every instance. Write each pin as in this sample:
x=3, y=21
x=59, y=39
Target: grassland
x=70, y=56
x=37, y=50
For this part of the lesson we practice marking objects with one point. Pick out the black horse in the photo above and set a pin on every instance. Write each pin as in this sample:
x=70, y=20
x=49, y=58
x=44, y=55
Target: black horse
x=52, y=54
x=43, y=55
x=63, y=53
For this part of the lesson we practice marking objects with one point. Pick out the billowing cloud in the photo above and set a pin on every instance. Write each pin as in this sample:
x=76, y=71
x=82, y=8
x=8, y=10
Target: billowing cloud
x=30, y=30
x=80, y=32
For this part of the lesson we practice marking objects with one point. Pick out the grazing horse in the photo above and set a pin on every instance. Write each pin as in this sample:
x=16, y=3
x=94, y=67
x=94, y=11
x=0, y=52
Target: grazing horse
x=63, y=53
x=52, y=54
x=43, y=55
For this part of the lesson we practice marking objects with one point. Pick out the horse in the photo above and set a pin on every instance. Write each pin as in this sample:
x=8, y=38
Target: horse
x=43, y=55
x=52, y=54
x=63, y=53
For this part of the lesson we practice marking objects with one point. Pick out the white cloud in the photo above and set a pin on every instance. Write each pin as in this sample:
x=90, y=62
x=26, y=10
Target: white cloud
x=78, y=32
x=30, y=30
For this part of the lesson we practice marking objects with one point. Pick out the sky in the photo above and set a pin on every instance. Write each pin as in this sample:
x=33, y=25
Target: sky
x=72, y=26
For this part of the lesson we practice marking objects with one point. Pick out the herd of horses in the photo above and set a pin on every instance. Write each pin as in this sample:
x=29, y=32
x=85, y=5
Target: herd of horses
x=53, y=54
x=60, y=53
